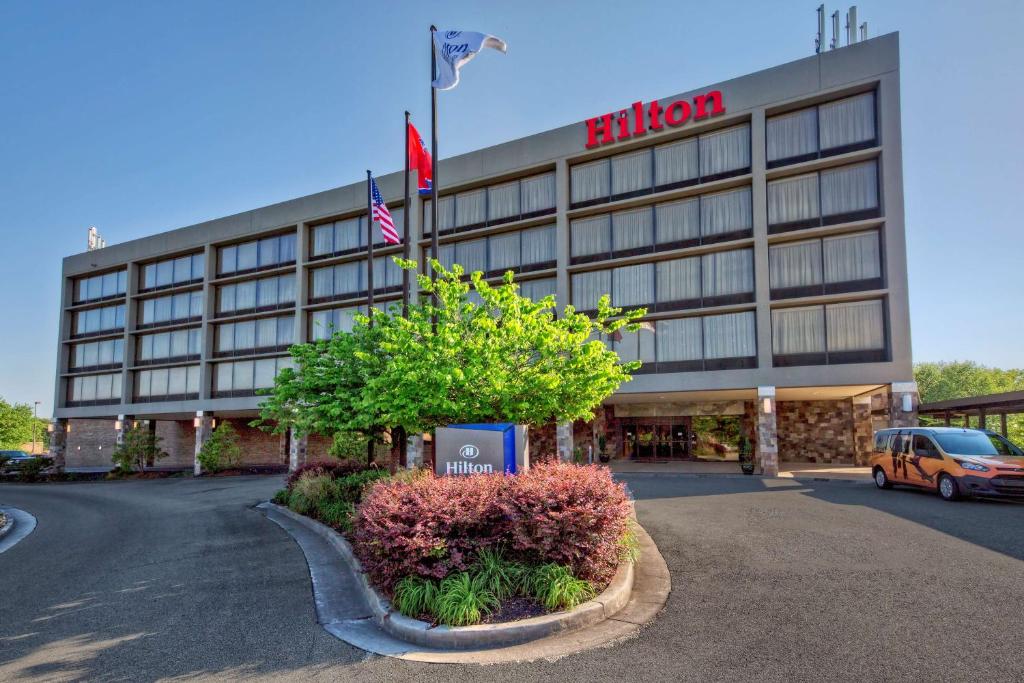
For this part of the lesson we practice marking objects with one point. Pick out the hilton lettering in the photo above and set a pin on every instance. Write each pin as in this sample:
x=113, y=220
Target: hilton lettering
x=600, y=128
x=467, y=468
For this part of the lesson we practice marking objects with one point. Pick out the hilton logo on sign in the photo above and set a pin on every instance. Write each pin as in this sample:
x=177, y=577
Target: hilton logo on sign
x=601, y=130
x=480, y=449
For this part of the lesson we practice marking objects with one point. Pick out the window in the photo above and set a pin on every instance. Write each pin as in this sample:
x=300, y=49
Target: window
x=163, y=346
x=835, y=195
x=246, y=337
x=163, y=384
x=325, y=323
x=538, y=289
x=493, y=205
x=244, y=378
x=699, y=343
x=348, y=236
x=343, y=281
x=848, y=332
x=520, y=251
x=715, y=155
x=833, y=128
x=726, y=214
x=94, y=389
x=99, y=354
x=268, y=252
x=99, y=320
x=842, y=263
x=264, y=294
x=173, y=308
x=170, y=272
x=924, y=447
x=728, y=277
x=97, y=287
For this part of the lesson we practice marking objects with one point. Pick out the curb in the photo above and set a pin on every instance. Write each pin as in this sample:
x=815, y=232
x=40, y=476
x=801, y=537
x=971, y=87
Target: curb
x=19, y=524
x=483, y=636
x=8, y=526
x=727, y=475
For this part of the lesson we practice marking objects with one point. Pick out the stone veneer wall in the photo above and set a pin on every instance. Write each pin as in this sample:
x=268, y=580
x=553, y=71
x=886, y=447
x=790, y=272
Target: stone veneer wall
x=259, y=447
x=178, y=439
x=816, y=431
x=90, y=443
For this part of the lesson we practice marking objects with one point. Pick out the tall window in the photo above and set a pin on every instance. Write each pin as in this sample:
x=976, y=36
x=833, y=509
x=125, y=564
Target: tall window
x=522, y=251
x=98, y=320
x=99, y=354
x=165, y=346
x=249, y=336
x=269, y=252
x=713, y=342
x=847, y=332
x=493, y=205
x=265, y=294
x=94, y=389
x=833, y=128
x=186, y=306
x=348, y=236
x=841, y=263
x=244, y=378
x=167, y=384
x=712, y=156
x=835, y=195
x=176, y=271
x=349, y=280
x=99, y=287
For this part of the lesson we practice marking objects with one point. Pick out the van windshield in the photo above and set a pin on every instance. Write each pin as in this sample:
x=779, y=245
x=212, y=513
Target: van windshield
x=976, y=443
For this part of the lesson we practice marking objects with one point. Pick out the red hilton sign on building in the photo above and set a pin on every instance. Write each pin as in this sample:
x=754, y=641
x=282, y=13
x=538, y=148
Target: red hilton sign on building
x=600, y=129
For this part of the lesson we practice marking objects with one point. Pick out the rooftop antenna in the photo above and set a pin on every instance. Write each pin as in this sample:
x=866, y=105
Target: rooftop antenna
x=851, y=25
x=835, y=31
x=95, y=241
x=819, y=41
x=864, y=31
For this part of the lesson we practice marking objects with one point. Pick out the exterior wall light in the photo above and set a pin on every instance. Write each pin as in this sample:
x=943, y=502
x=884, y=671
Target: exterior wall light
x=67, y=428
x=49, y=428
x=213, y=423
x=908, y=403
x=195, y=422
x=117, y=425
x=767, y=406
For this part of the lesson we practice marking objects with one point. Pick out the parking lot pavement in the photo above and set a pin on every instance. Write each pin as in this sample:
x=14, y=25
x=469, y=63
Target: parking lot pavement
x=772, y=580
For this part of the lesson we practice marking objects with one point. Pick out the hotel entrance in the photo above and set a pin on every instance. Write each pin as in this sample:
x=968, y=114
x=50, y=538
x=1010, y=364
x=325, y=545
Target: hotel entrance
x=656, y=438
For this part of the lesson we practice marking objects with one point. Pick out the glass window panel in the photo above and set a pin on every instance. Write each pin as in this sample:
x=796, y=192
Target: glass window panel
x=119, y=316
x=855, y=326
x=725, y=212
x=728, y=272
x=177, y=381
x=245, y=295
x=195, y=304
x=96, y=287
x=590, y=181
x=222, y=377
x=103, y=387
x=269, y=251
x=678, y=280
x=195, y=342
x=78, y=358
x=679, y=340
x=632, y=172
x=536, y=290
x=798, y=330
x=108, y=319
x=793, y=199
x=587, y=288
x=471, y=207
x=91, y=355
x=226, y=337
x=632, y=229
x=320, y=325
x=192, y=379
x=265, y=370
x=183, y=269
x=245, y=335
x=503, y=251
x=286, y=248
x=538, y=193
x=503, y=200
x=227, y=299
x=180, y=306
x=198, y=266
x=161, y=345
x=445, y=214
x=323, y=282
x=725, y=150
x=266, y=333
x=228, y=259
x=323, y=239
x=164, y=273
x=730, y=336
x=158, y=382
x=142, y=380
x=472, y=255
x=849, y=188
x=795, y=264
x=675, y=162
x=109, y=285
x=848, y=121
x=446, y=255
x=266, y=292
x=149, y=276
x=677, y=221
x=241, y=375
x=118, y=351
x=633, y=285
x=792, y=135
x=285, y=330
x=350, y=278
x=179, y=343
x=349, y=235
x=591, y=235
x=148, y=311
x=247, y=256
x=852, y=257
x=539, y=245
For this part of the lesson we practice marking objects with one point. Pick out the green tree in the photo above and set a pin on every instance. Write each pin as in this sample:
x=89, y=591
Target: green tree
x=16, y=425
x=139, y=448
x=222, y=450
x=493, y=356
x=963, y=379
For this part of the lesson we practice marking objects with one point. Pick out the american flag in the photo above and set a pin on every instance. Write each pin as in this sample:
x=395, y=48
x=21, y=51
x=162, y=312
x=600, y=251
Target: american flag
x=382, y=215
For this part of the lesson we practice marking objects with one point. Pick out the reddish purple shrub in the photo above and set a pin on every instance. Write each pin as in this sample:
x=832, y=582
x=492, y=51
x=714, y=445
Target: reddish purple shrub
x=333, y=468
x=435, y=525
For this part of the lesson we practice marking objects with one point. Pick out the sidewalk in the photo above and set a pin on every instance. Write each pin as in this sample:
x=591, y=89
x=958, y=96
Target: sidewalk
x=787, y=470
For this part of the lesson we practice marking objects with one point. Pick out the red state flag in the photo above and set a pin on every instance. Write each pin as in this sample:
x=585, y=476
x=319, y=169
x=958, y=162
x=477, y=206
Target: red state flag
x=420, y=161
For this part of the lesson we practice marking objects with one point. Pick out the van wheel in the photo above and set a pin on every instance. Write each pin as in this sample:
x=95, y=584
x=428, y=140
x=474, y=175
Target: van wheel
x=881, y=480
x=948, y=488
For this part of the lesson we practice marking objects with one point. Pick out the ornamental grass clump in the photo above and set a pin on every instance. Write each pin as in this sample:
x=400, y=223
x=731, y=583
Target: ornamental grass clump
x=330, y=499
x=554, y=587
x=464, y=599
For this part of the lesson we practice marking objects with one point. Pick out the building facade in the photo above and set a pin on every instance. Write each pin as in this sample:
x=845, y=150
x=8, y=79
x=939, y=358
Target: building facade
x=759, y=221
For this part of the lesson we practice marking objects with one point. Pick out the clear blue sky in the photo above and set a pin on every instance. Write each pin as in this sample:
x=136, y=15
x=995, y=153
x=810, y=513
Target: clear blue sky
x=143, y=116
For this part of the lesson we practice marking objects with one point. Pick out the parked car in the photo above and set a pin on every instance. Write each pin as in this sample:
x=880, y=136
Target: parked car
x=952, y=461
x=12, y=461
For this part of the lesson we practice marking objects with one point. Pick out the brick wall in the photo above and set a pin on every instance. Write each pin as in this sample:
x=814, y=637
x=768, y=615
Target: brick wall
x=259, y=447
x=178, y=439
x=90, y=443
x=816, y=431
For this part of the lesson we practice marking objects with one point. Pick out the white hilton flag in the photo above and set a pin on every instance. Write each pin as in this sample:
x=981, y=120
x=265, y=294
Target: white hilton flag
x=455, y=48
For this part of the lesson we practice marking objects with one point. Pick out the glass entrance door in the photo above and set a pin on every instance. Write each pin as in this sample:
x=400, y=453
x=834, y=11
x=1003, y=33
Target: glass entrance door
x=665, y=438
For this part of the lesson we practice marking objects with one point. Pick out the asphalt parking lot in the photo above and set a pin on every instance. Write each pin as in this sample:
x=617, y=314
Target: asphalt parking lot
x=772, y=580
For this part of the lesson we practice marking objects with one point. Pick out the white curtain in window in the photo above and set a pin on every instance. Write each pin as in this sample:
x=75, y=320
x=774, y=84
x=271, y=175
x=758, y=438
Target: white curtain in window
x=678, y=280
x=161, y=345
x=677, y=221
x=286, y=289
x=228, y=260
x=792, y=135
x=286, y=329
x=587, y=288
x=795, y=264
x=725, y=150
x=538, y=289
x=90, y=354
x=503, y=251
x=321, y=325
x=726, y=212
x=323, y=282
x=158, y=383
x=849, y=188
x=245, y=335
x=164, y=277
x=323, y=239
x=472, y=255
x=286, y=253
x=730, y=336
x=269, y=251
x=798, y=330
x=538, y=193
x=348, y=234
x=793, y=199
x=192, y=379
x=177, y=381
x=241, y=375
x=142, y=383
x=631, y=172
x=852, y=257
x=855, y=326
x=180, y=306
x=847, y=121
x=503, y=200
x=591, y=235
x=266, y=292
x=179, y=343
x=538, y=245
x=675, y=162
x=266, y=333
x=222, y=377
x=470, y=207
x=226, y=337
x=590, y=181
x=679, y=340
x=632, y=229
x=728, y=272
x=245, y=295
x=633, y=285
x=446, y=255
x=637, y=345
x=195, y=304
x=265, y=370
x=445, y=214
x=349, y=277
x=247, y=256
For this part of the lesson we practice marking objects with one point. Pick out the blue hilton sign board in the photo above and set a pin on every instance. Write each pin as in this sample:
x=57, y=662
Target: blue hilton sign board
x=481, y=449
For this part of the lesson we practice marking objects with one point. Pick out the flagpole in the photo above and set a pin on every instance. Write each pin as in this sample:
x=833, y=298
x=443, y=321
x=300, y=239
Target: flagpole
x=369, y=248
x=405, y=226
x=433, y=155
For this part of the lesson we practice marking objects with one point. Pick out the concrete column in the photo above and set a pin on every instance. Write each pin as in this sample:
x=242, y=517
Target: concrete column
x=204, y=429
x=209, y=312
x=563, y=441
x=767, y=434
x=903, y=402
x=562, y=245
x=131, y=312
x=297, y=447
x=301, y=282
x=59, y=443
x=759, y=204
x=862, y=431
x=123, y=424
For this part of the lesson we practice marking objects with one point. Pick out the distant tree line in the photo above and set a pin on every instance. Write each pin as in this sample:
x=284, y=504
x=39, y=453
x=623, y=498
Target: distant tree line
x=963, y=379
x=16, y=422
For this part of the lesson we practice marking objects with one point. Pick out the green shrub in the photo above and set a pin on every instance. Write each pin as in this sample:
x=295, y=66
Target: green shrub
x=139, y=448
x=500, y=576
x=350, y=487
x=463, y=599
x=416, y=596
x=348, y=446
x=31, y=469
x=221, y=451
x=281, y=497
x=336, y=513
x=298, y=502
x=315, y=488
x=554, y=587
x=629, y=545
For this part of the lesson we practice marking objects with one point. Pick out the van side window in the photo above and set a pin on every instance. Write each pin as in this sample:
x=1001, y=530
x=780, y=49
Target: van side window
x=894, y=443
x=880, y=440
x=923, y=446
